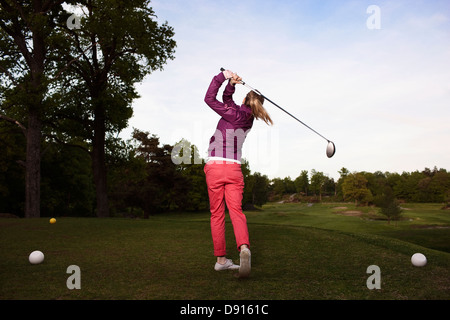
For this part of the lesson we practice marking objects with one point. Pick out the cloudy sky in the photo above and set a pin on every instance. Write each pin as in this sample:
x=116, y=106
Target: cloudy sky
x=375, y=82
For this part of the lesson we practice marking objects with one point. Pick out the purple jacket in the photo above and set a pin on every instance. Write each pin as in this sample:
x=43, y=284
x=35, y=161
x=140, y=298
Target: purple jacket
x=234, y=125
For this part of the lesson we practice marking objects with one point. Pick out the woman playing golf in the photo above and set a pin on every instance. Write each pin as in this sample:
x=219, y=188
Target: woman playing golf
x=223, y=167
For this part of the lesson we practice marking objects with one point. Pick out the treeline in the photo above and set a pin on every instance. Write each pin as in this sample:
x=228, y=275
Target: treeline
x=143, y=179
x=428, y=185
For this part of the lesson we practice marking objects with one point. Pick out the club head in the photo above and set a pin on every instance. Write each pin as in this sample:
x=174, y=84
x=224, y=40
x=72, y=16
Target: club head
x=331, y=149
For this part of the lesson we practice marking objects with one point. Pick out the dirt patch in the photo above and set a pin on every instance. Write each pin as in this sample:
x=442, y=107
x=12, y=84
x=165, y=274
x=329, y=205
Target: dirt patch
x=352, y=213
x=344, y=212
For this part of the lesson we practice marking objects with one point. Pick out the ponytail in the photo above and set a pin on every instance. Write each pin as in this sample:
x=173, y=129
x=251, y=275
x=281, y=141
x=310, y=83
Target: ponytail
x=255, y=102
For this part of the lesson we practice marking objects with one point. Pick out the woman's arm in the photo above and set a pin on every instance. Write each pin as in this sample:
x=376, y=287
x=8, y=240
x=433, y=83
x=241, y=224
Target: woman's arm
x=228, y=110
x=211, y=94
x=227, y=96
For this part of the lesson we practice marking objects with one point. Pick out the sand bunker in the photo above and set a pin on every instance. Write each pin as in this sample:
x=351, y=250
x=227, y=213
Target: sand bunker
x=347, y=212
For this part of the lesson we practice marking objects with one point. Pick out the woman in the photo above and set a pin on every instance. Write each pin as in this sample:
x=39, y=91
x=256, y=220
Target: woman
x=223, y=167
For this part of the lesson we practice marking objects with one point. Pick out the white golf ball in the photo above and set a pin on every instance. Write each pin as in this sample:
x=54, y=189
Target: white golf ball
x=418, y=259
x=36, y=257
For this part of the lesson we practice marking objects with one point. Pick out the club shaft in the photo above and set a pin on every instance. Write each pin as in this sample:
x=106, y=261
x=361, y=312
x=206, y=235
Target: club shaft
x=276, y=105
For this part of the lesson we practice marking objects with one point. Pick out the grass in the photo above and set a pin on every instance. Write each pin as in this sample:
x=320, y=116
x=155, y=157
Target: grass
x=298, y=252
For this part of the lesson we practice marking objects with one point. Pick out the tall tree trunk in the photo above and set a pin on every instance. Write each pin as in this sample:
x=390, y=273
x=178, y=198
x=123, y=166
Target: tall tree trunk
x=33, y=165
x=35, y=61
x=99, y=162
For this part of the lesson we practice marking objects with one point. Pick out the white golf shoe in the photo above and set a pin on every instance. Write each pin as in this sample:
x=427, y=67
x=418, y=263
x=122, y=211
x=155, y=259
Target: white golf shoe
x=245, y=267
x=229, y=265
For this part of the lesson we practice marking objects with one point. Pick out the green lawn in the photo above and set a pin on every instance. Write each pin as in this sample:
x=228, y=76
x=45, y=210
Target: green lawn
x=298, y=252
x=424, y=224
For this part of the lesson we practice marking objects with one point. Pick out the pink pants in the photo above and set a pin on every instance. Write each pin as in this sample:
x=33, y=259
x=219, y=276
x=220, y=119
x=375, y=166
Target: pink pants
x=226, y=183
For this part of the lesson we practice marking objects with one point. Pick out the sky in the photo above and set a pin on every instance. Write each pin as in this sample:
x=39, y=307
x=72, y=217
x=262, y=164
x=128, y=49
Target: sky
x=371, y=76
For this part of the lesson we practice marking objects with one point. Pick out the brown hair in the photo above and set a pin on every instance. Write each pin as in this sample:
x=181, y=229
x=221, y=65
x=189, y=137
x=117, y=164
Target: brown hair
x=255, y=102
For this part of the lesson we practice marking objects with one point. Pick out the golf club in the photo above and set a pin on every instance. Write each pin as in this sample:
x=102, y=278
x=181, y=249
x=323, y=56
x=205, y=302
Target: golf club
x=331, y=149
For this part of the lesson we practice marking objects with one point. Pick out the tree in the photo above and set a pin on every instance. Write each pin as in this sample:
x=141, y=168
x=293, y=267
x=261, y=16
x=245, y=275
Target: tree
x=126, y=172
x=26, y=65
x=329, y=186
x=12, y=175
x=66, y=184
x=435, y=186
x=389, y=205
x=150, y=181
x=190, y=191
x=277, y=188
x=249, y=182
x=86, y=74
x=354, y=187
x=118, y=44
x=302, y=182
x=377, y=182
x=404, y=185
x=317, y=182
x=344, y=172
x=257, y=189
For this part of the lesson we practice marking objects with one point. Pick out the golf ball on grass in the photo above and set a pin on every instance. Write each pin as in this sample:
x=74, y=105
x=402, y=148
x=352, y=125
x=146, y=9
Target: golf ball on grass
x=418, y=260
x=36, y=257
